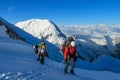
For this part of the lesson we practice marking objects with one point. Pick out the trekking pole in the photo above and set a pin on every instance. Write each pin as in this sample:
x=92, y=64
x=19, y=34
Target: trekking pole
x=61, y=62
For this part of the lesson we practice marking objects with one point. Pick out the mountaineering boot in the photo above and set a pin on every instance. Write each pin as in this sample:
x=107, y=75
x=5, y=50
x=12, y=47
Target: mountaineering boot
x=38, y=58
x=42, y=61
x=65, y=71
x=71, y=71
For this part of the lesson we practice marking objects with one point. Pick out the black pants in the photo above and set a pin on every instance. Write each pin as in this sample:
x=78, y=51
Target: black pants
x=41, y=57
x=67, y=62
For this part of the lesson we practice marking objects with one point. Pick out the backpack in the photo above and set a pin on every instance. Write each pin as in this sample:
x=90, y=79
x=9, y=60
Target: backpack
x=35, y=48
x=43, y=47
x=66, y=43
x=70, y=39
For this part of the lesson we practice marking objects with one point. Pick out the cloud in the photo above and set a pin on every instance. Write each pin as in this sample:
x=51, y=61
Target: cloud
x=11, y=8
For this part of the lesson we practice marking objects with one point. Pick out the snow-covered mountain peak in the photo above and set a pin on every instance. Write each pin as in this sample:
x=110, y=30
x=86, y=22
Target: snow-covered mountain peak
x=39, y=23
x=43, y=28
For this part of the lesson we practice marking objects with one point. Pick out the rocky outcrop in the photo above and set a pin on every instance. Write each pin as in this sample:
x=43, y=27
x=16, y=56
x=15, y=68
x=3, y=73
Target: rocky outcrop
x=11, y=32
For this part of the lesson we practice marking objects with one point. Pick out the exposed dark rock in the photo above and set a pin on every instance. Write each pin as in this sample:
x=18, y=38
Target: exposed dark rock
x=11, y=32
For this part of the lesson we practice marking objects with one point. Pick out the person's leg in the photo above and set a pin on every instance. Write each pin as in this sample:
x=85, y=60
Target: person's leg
x=66, y=66
x=72, y=65
x=42, y=59
x=38, y=56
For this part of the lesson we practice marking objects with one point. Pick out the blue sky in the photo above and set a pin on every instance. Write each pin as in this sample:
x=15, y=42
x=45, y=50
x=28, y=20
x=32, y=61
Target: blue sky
x=62, y=12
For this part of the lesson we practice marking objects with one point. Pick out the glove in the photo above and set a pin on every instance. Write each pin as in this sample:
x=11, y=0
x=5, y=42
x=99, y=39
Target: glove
x=66, y=60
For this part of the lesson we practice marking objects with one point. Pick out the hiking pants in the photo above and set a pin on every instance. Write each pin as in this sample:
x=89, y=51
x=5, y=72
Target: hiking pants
x=67, y=62
x=41, y=57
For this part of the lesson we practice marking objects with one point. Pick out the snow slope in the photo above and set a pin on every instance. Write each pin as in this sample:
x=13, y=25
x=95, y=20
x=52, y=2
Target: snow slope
x=18, y=62
x=42, y=29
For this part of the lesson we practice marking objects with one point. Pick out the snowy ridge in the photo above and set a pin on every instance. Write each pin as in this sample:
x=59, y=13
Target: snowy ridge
x=42, y=29
x=26, y=36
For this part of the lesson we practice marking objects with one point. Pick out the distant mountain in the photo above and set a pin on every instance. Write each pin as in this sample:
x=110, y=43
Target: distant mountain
x=96, y=33
x=92, y=29
x=42, y=29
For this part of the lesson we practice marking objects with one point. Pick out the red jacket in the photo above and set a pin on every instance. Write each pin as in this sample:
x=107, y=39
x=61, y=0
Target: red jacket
x=69, y=50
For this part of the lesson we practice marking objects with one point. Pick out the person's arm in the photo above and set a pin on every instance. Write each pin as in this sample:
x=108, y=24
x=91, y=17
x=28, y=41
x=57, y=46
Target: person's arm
x=66, y=53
